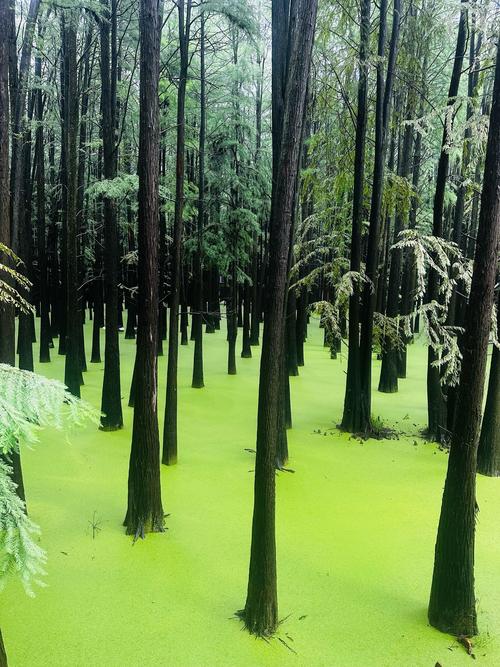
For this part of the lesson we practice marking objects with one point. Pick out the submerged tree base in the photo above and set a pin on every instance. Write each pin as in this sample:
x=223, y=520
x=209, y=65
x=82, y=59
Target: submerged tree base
x=110, y=426
x=261, y=620
x=139, y=527
x=454, y=622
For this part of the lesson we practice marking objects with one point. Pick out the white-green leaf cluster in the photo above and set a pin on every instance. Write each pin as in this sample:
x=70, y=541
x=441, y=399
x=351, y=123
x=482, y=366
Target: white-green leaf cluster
x=27, y=403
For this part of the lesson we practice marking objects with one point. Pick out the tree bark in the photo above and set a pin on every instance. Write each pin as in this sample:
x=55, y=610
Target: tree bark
x=45, y=336
x=170, y=422
x=145, y=511
x=111, y=405
x=383, y=110
x=488, y=453
x=3, y=654
x=390, y=354
x=261, y=609
x=198, y=380
x=436, y=401
x=352, y=418
x=72, y=372
x=452, y=606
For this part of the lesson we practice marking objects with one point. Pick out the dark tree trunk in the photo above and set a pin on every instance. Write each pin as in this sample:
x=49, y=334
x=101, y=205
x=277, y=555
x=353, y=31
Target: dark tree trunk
x=45, y=336
x=19, y=87
x=170, y=422
x=111, y=405
x=98, y=304
x=436, y=401
x=232, y=320
x=408, y=280
x=72, y=372
x=384, y=95
x=145, y=512
x=85, y=76
x=3, y=654
x=7, y=323
x=488, y=453
x=301, y=325
x=390, y=354
x=458, y=301
x=291, y=334
x=256, y=283
x=184, y=317
x=352, y=419
x=131, y=280
x=452, y=606
x=198, y=380
x=246, y=351
x=261, y=608
x=25, y=249
x=255, y=308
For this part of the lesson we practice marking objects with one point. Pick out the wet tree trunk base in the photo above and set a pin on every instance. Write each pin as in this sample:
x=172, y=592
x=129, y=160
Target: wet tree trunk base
x=388, y=383
x=3, y=654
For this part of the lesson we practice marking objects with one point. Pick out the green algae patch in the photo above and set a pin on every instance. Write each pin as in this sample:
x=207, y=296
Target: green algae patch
x=356, y=525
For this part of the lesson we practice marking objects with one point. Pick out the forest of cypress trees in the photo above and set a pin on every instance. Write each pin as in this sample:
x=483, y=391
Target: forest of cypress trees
x=277, y=204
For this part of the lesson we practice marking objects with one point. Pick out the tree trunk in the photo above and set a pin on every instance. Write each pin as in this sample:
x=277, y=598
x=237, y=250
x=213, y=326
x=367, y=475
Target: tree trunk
x=390, y=354
x=436, y=401
x=145, y=512
x=111, y=405
x=384, y=95
x=72, y=372
x=232, y=319
x=198, y=380
x=488, y=453
x=3, y=654
x=261, y=608
x=246, y=350
x=452, y=606
x=352, y=418
x=45, y=336
x=18, y=101
x=170, y=423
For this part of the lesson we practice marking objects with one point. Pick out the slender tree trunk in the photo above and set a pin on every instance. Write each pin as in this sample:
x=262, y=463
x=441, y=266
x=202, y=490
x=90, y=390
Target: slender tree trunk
x=98, y=303
x=452, y=606
x=170, y=422
x=390, y=355
x=18, y=102
x=3, y=654
x=72, y=372
x=7, y=326
x=384, y=95
x=131, y=280
x=246, y=351
x=352, y=419
x=25, y=247
x=45, y=337
x=436, y=401
x=232, y=318
x=81, y=220
x=291, y=334
x=261, y=608
x=145, y=511
x=7, y=323
x=111, y=405
x=198, y=380
x=488, y=453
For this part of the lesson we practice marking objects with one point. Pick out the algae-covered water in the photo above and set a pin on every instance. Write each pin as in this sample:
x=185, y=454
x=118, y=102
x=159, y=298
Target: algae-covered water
x=356, y=524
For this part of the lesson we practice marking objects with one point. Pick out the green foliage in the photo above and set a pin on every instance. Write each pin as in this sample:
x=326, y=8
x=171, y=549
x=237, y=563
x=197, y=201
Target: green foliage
x=9, y=276
x=19, y=553
x=125, y=185
x=27, y=403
